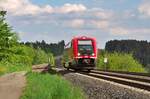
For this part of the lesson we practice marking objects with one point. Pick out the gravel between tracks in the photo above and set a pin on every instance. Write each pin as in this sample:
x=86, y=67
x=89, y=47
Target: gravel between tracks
x=101, y=89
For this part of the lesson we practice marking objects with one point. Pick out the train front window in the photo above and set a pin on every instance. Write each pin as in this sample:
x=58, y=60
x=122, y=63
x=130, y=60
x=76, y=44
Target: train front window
x=85, y=47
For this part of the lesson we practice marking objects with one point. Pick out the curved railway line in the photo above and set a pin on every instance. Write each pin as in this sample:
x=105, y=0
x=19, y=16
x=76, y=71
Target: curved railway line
x=132, y=79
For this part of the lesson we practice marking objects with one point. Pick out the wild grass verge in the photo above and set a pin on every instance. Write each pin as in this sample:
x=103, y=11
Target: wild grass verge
x=9, y=68
x=46, y=86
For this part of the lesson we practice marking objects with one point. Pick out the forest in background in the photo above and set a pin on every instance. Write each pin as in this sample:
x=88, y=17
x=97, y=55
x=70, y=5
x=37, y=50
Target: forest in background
x=140, y=50
x=55, y=48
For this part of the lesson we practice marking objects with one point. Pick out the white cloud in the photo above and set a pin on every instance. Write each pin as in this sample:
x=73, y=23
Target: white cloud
x=144, y=8
x=129, y=31
x=141, y=30
x=67, y=8
x=25, y=7
x=119, y=31
x=102, y=24
x=77, y=23
x=103, y=14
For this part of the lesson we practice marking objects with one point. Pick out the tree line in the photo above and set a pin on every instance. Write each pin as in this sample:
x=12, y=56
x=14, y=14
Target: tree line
x=139, y=49
x=55, y=48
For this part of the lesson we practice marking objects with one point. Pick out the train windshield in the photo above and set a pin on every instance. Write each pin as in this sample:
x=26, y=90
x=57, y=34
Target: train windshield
x=85, y=47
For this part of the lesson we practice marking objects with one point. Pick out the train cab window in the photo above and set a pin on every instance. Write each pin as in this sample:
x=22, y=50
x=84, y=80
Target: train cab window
x=85, y=47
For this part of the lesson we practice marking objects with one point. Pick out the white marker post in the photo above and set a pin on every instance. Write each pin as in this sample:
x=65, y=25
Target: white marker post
x=105, y=61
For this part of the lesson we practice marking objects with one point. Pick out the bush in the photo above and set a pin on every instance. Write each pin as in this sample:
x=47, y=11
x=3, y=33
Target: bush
x=51, y=59
x=40, y=57
x=19, y=59
x=21, y=55
x=120, y=62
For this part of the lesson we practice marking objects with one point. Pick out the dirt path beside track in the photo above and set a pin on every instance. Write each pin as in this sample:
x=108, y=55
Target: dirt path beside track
x=12, y=85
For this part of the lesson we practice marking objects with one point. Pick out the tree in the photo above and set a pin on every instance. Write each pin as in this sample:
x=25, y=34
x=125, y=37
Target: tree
x=7, y=37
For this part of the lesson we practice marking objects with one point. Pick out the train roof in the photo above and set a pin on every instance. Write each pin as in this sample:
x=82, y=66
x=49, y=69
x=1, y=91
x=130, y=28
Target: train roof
x=84, y=38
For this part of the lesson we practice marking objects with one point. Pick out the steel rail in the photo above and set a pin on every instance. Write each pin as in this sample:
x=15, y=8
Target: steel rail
x=125, y=81
x=122, y=75
x=126, y=72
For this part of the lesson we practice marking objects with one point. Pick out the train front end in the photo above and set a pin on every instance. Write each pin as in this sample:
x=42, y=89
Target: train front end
x=85, y=52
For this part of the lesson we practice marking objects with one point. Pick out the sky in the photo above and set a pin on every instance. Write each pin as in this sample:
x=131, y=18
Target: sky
x=55, y=20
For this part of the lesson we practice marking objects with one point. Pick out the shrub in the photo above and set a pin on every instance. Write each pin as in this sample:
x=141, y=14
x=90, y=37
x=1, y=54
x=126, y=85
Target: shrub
x=51, y=59
x=40, y=57
x=20, y=59
x=120, y=62
x=21, y=55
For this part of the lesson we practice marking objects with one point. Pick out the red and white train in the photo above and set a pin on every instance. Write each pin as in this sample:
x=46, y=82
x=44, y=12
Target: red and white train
x=80, y=53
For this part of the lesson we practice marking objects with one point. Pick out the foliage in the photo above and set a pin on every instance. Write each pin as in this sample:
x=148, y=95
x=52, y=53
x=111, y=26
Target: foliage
x=47, y=86
x=7, y=37
x=42, y=57
x=139, y=49
x=67, y=55
x=15, y=56
x=51, y=59
x=21, y=55
x=119, y=62
x=19, y=59
x=8, y=41
x=55, y=48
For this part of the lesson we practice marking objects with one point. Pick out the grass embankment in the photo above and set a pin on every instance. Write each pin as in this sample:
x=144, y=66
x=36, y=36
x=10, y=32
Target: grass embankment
x=46, y=86
x=9, y=68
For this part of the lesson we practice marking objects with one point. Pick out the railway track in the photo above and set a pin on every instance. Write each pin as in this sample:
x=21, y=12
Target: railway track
x=133, y=80
x=137, y=80
x=125, y=72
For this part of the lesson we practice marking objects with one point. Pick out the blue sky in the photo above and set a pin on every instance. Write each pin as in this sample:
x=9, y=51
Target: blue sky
x=55, y=20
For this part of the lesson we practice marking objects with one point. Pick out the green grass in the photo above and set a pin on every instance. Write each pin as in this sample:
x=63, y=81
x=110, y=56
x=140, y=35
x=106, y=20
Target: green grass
x=46, y=86
x=9, y=68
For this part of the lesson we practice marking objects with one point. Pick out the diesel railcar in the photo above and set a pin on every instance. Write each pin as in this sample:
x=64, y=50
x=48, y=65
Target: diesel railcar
x=80, y=54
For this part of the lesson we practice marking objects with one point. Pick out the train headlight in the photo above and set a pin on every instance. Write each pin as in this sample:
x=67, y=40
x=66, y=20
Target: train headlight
x=79, y=54
x=93, y=54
